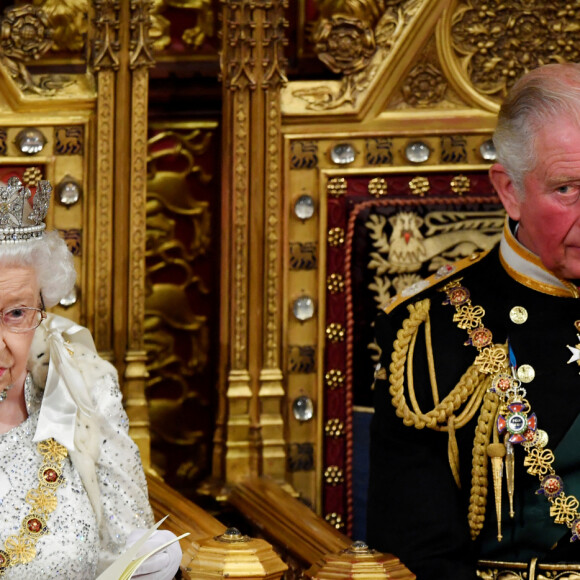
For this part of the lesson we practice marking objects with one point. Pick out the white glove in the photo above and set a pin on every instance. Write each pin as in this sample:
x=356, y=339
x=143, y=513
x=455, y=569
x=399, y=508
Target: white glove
x=164, y=564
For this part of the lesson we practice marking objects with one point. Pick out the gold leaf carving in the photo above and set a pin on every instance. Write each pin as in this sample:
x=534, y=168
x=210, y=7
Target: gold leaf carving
x=140, y=43
x=355, y=45
x=496, y=43
x=344, y=44
x=68, y=21
x=424, y=86
x=26, y=35
x=195, y=36
x=106, y=45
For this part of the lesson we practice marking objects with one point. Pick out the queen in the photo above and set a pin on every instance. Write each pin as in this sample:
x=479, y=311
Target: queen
x=72, y=489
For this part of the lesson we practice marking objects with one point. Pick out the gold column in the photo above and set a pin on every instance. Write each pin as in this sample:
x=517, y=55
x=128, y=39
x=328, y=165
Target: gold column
x=140, y=59
x=121, y=57
x=249, y=437
x=271, y=391
x=105, y=63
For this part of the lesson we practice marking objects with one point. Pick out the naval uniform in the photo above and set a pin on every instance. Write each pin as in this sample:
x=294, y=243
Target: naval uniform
x=418, y=508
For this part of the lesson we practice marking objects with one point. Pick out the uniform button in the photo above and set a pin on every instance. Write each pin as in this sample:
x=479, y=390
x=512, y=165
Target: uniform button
x=518, y=314
x=526, y=373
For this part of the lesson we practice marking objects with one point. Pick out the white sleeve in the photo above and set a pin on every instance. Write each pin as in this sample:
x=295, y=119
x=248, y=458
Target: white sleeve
x=120, y=476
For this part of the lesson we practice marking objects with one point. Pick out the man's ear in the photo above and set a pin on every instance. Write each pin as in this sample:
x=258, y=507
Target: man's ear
x=506, y=190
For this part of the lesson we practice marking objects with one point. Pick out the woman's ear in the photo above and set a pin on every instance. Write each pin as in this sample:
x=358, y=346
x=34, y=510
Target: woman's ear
x=508, y=194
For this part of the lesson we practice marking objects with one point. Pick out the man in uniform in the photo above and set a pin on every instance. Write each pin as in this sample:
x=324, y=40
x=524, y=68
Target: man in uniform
x=475, y=441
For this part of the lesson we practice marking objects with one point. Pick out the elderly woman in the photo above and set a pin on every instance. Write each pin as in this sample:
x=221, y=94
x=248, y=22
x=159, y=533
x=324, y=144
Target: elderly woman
x=72, y=489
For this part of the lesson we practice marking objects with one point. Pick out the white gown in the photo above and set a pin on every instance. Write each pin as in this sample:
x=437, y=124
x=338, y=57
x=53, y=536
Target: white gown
x=74, y=548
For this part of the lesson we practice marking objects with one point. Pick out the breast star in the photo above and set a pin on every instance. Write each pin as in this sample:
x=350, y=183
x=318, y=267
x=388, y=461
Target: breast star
x=575, y=350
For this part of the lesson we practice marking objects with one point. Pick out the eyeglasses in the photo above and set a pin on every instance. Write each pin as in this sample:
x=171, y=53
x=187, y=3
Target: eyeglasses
x=22, y=318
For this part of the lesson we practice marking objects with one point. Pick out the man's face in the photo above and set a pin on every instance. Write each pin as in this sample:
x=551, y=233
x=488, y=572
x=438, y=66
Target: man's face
x=549, y=211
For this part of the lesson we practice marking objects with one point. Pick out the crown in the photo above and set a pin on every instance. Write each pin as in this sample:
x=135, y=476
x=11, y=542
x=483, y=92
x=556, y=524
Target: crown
x=20, y=220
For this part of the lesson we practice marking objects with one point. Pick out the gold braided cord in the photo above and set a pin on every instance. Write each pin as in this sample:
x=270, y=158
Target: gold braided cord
x=479, y=463
x=469, y=391
x=453, y=451
x=431, y=361
x=437, y=417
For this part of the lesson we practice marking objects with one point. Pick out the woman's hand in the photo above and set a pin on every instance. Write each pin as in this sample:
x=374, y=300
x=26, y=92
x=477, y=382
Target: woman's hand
x=164, y=564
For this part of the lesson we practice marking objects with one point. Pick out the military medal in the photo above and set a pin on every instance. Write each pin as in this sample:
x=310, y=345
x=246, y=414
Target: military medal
x=514, y=419
x=575, y=350
x=517, y=423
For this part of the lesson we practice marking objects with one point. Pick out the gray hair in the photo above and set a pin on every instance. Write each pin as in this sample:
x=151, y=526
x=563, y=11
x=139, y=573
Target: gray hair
x=534, y=100
x=50, y=257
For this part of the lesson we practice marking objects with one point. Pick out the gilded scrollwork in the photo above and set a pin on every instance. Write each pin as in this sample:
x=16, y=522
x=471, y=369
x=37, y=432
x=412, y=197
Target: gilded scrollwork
x=495, y=43
x=160, y=31
x=195, y=36
x=177, y=333
x=69, y=22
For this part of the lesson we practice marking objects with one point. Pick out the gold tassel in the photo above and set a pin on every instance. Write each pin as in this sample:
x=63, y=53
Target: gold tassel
x=509, y=474
x=453, y=450
x=497, y=451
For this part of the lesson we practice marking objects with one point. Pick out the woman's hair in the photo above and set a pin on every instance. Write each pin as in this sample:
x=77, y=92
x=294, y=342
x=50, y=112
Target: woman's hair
x=537, y=98
x=50, y=258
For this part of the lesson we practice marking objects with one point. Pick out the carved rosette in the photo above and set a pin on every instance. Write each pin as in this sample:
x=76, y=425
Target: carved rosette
x=354, y=42
x=344, y=44
x=425, y=86
x=25, y=35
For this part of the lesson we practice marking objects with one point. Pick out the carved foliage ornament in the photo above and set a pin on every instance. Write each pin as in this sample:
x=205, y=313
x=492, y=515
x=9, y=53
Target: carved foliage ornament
x=353, y=42
x=68, y=21
x=499, y=41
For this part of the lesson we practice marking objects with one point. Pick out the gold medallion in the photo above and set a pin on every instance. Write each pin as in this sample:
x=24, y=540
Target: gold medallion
x=526, y=373
x=518, y=314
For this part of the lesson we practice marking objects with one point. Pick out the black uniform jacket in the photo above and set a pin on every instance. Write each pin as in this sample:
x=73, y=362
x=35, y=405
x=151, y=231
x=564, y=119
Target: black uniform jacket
x=415, y=509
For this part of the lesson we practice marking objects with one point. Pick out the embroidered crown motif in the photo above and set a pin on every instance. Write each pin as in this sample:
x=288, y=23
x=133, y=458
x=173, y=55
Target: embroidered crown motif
x=19, y=219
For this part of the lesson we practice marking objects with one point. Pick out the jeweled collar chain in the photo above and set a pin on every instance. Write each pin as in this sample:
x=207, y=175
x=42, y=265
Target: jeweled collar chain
x=515, y=420
x=20, y=548
x=527, y=268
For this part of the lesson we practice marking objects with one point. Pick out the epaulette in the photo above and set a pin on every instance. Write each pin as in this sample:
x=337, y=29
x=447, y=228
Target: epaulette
x=442, y=273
